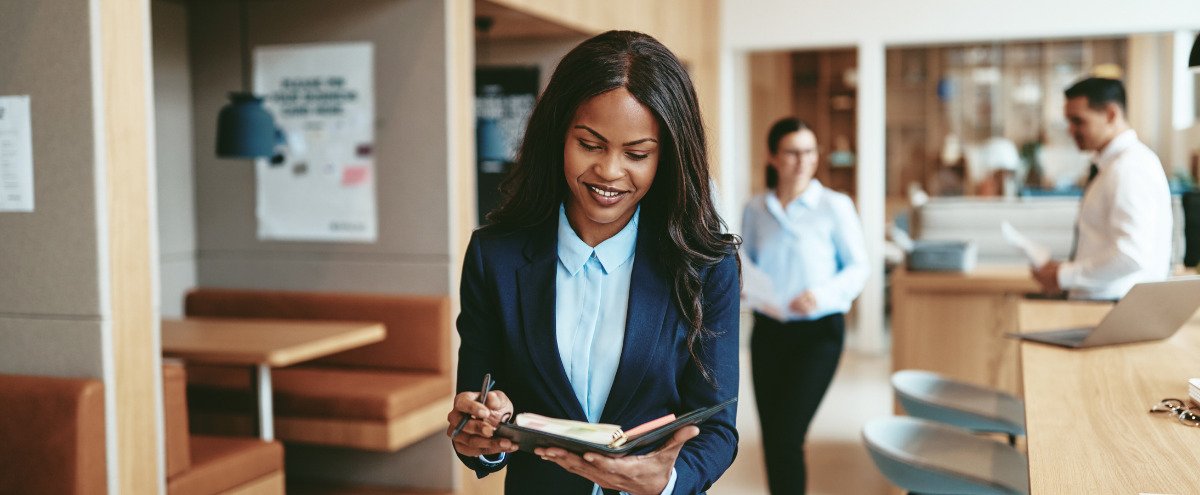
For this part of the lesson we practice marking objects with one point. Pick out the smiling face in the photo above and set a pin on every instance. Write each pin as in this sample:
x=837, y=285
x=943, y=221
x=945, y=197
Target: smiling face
x=609, y=160
x=796, y=158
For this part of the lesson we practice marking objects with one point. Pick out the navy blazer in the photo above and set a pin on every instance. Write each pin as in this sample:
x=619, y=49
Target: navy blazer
x=507, y=325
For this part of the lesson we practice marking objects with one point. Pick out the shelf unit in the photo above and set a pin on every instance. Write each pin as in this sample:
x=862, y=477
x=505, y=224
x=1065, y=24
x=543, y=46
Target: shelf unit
x=819, y=88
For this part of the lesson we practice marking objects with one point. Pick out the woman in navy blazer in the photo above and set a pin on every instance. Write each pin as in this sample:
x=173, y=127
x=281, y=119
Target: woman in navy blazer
x=613, y=164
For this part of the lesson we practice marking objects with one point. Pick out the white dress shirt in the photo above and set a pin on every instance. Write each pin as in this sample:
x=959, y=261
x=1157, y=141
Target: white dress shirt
x=1125, y=223
x=813, y=243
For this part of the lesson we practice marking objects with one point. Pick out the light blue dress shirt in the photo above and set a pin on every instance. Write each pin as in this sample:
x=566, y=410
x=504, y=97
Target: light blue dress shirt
x=813, y=243
x=591, y=305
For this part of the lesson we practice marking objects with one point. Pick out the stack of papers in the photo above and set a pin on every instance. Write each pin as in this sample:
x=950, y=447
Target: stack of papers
x=600, y=433
x=758, y=291
x=1194, y=390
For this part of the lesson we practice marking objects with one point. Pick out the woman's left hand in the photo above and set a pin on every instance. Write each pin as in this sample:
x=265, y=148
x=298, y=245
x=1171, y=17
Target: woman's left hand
x=804, y=303
x=635, y=474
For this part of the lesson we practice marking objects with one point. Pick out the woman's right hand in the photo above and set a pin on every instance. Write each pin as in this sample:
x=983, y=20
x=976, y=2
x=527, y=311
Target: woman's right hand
x=476, y=438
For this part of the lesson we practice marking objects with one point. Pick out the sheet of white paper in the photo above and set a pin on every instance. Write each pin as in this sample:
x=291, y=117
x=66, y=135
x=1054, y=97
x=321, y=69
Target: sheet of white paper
x=901, y=238
x=1037, y=254
x=758, y=291
x=16, y=154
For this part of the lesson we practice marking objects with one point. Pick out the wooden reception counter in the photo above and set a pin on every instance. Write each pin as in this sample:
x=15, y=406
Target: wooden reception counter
x=1086, y=411
x=954, y=323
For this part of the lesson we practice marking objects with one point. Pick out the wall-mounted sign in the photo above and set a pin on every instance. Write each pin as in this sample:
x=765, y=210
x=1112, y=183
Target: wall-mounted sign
x=16, y=154
x=504, y=98
x=320, y=186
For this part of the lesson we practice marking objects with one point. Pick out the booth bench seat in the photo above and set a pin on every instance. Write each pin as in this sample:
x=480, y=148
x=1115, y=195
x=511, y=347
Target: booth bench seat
x=52, y=435
x=206, y=465
x=381, y=397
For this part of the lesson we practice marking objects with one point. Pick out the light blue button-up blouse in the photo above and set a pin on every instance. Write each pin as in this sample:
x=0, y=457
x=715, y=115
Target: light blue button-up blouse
x=813, y=243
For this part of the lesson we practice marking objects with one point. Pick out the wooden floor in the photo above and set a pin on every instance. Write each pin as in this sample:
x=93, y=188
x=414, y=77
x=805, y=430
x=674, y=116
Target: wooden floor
x=838, y=464
x=306, y=488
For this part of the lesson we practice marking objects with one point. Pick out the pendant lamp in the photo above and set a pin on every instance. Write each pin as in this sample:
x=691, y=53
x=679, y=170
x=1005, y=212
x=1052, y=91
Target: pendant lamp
x=1194, y=59
x=244, y=127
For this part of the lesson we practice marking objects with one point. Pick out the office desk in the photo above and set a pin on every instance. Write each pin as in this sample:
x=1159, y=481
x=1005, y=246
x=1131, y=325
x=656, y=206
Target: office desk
x=1086, y=410
x=262, y=344
x=954, y=323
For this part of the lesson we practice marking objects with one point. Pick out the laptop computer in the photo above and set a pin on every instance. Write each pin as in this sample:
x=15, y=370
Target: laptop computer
x=1150, y=311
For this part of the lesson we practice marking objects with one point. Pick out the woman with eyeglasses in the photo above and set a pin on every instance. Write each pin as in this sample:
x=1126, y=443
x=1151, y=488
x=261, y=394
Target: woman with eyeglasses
x=808, y=241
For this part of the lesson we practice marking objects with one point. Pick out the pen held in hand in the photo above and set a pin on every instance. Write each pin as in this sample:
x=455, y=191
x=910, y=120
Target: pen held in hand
x=487, y=387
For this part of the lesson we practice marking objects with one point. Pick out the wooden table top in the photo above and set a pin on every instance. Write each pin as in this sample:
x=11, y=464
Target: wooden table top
x=984, y=278
x=1086, y=411
x=256, y=341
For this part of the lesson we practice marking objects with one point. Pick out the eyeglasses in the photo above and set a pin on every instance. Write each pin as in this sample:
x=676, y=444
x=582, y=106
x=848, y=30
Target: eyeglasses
x=1189, y=416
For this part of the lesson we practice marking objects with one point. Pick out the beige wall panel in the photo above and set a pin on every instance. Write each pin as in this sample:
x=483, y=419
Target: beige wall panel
x=48, y=258
x=409, y=276
x=176, y=277
x=35, y=346
x=411, y=151
x=174, y=156
x=413, y=187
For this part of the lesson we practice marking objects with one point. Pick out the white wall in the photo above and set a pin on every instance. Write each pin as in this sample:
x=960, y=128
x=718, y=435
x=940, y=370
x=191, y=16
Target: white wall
x=772, y=24
x=872, y=25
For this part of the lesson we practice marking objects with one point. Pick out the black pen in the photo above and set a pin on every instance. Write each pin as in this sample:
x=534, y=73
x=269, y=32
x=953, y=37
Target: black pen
x=487, y=387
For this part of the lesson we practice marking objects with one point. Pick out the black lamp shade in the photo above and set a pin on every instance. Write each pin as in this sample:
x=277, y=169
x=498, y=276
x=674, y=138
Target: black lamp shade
x=1194, y=59
x=245, y=129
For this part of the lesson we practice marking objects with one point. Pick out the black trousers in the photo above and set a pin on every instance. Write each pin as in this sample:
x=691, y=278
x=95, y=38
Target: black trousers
x=793, y=364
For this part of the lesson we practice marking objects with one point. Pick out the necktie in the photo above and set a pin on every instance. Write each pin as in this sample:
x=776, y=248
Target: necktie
x=1092, y=172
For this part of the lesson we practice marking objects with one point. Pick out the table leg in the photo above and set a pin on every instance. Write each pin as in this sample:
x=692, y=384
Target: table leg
x=266, y=413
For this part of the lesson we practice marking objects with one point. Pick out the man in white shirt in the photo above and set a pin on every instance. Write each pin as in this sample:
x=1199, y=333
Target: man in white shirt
x=1123, y=234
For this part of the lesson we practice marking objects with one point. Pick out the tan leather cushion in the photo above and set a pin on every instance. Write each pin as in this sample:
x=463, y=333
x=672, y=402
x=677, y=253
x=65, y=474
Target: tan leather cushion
x=321, y=392
x=175, y=419
x=418, y=327
x=222, y=463
x=51, y=435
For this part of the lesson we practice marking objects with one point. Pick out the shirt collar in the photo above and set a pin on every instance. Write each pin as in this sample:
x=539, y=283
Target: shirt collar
x=810, y=198
x=1114, y=148
x=615, y=251
x=812, y=194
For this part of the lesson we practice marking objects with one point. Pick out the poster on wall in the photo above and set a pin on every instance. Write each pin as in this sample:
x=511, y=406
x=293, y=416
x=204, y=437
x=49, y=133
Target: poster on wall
x=320, y=184
x=16, y=154
x=504, y=98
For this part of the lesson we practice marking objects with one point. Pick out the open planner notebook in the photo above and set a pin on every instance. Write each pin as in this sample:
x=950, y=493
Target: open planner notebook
x=531, y=431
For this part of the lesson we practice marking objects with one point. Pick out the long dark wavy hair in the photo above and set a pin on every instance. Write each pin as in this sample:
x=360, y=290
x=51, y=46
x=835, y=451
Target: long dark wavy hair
x=779, y=129
x=677, y=210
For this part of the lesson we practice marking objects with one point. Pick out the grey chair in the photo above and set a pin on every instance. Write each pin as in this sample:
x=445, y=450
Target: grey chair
x=931, y=458
x=928, y=395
